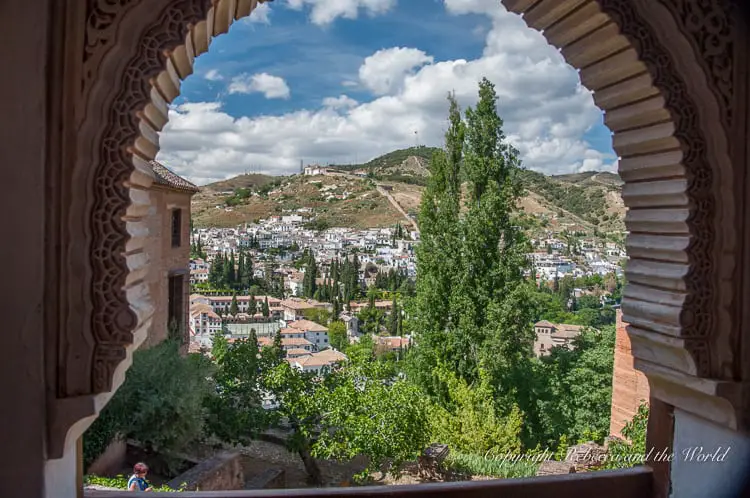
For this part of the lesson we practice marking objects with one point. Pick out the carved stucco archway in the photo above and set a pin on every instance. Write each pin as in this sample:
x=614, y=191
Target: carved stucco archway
x=662, y=71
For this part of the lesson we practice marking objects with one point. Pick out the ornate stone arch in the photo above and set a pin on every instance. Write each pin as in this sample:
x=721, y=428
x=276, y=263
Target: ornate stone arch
x=125, y=60
x=663, y=73
x=637, y=56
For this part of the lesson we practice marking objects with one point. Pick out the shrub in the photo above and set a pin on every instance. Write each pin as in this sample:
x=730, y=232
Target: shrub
x=631, y=453
x=160, y=404
x=121, y=482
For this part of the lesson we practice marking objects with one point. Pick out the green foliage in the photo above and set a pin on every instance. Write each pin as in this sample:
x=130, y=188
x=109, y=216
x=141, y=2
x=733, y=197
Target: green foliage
x=318, y=315
x=471, y=305
x=353, y=412
x=337, y=335
x=160, y=404
x=234, y=308
x=574, y=388
x=370, y=318
x=309, y=285
x=630, y=453
x=235, y=413
x=318, y=225
x=480, y=465
x=121, y=482
x=468, y=421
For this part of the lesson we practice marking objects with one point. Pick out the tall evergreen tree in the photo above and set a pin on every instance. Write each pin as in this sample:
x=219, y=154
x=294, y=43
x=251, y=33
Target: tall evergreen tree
x=240, y=270
x=226, y=271
x=234, y=308
x=472, y=308
x=246, y=277
x=252, y=308
x=231, y=271
x=393, y=318
x=278, y=347
x=216, y=273
x=309, y=285
x=266, y=310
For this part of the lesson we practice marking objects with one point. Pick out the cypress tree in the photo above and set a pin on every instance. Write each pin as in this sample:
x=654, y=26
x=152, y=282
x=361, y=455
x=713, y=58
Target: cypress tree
x=266, y=309
x=234, y=307
x=240, y=270
x=278, y=346
x=309, y=286
x=231, y=271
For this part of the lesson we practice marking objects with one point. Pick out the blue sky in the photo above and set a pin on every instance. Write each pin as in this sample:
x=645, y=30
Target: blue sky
x=334, y=81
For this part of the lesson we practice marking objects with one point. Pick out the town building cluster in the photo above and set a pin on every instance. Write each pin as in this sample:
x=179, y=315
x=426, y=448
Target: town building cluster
x=555, y=257
x=276, y=243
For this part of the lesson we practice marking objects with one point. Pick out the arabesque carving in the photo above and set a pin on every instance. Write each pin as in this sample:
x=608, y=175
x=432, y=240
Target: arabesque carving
x=711, y=28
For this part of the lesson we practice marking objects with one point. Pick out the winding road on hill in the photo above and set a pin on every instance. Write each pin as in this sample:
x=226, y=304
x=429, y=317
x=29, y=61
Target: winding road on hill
x=398, y=207
x=382, y=191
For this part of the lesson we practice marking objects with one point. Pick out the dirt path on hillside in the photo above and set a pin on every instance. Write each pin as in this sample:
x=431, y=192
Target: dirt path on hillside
x=398, y=207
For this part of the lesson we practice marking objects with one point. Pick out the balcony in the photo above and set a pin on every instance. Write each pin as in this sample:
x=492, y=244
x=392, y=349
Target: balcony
x=627, y=483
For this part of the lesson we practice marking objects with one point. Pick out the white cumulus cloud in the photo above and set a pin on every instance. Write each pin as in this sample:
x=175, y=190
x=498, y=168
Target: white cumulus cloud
x=340, y=102
x=273, y=87
x=213, y=75
x=323, y=12
x=385, y=70
x=261, y=14
x=545, y=109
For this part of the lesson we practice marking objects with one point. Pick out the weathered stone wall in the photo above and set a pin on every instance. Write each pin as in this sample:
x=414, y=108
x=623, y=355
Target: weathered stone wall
x=219, y=473
x=165, y=259
x=629, y=386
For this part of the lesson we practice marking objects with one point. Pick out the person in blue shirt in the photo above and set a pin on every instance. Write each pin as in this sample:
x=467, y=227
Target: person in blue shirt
x=137, y=481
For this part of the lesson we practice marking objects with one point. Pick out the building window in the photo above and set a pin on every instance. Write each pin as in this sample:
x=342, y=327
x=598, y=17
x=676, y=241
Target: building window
x=176, y=310
x=176, y=227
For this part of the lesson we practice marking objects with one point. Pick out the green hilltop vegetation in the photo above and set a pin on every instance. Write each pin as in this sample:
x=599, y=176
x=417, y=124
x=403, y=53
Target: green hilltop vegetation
x=392, y=159
x=249, y=181
x=594, y=197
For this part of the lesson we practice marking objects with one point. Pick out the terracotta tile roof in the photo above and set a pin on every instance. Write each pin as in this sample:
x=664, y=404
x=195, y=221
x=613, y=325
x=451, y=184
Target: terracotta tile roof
x=321, y=359
x=544, y=323
x=163, y=176
x=308, y=326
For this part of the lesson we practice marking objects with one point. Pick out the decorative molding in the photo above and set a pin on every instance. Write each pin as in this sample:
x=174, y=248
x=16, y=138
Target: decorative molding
x=697, y=316
x=133, y=54
x=113, y=319
x=675, y=159
x=711, y=28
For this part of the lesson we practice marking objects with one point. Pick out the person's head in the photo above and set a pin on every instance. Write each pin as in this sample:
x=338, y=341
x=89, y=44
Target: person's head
x=140, y=469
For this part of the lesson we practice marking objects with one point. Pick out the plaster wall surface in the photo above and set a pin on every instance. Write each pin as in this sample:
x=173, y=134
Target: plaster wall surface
x=709, y=460
x=24, y=37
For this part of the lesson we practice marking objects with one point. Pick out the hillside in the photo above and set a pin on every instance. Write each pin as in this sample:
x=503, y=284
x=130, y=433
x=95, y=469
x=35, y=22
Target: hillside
x=335, y=201
x=581, y=201
x=404, y=165
x=593, y=197
x=241, y=181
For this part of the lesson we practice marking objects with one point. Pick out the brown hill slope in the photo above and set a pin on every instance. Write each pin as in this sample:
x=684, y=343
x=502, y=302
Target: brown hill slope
x=585, y=201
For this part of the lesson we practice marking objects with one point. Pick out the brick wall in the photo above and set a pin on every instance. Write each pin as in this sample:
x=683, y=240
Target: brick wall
x=629, y=386
x=164, y=259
